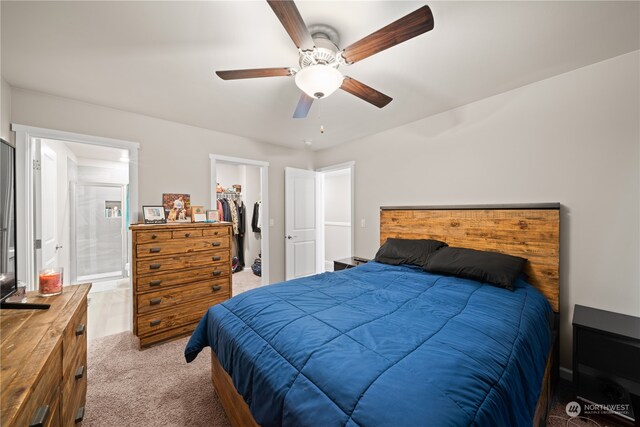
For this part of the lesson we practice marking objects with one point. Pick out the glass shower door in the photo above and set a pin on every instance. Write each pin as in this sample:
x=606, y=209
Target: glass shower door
x=100, y=227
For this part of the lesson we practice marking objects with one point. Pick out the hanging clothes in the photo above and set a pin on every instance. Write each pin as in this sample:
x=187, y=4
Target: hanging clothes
x=234, y=216
x=255, y=219
x=220, y=212
x=241, y=231
x=225, y=210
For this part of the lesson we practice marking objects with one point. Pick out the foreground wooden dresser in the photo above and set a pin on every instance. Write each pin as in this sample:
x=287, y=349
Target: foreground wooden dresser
x=44, y=361
x=179, y=271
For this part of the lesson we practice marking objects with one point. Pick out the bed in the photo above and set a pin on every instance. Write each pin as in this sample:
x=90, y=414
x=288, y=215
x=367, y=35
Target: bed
x=385, y=345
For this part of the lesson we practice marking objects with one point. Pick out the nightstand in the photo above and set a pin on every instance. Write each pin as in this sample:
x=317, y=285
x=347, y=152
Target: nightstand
x=606, y=359
x=343, y=264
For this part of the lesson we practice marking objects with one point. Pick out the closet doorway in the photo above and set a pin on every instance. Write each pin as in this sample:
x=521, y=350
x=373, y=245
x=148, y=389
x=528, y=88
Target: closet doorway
x=337, y=212
x=236, y=184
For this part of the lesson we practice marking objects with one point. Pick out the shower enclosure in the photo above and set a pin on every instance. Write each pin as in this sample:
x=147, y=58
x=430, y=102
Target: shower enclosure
x=98, y=232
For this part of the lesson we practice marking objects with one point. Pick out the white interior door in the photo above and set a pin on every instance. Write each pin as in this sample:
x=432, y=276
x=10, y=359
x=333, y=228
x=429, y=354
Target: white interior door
x=302, y=223
x=49, y=206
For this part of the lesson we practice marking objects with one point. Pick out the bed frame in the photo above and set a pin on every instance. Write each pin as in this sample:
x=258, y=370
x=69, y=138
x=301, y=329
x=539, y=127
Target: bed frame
x=531, y=231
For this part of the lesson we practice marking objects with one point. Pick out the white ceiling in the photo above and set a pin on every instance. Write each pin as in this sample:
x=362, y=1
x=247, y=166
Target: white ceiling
x=158, y=58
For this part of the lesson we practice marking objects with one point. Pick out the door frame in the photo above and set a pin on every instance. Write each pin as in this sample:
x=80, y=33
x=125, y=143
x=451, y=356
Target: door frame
x=264, y=192
x=25, y=193
x=351, y=165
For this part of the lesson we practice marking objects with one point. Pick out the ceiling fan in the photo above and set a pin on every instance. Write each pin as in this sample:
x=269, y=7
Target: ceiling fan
x=320, y=57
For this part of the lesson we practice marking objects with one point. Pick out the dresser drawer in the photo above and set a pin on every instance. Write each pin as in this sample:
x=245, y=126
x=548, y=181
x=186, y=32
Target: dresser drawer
x=179, y=262
x=43, y=404
x=155, y=282
x=217, y=231
x=152, y=236
x=180, y=315
x=182, y=246
x=74, y=391
x=74, y=340
x=154, y=301
x=186, y=234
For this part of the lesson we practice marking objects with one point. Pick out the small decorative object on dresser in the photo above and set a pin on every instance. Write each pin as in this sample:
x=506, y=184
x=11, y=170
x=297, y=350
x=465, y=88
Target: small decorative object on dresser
x=154, y=215
x=176, y=207
x=606, y=362
x=212, y=215
x=50, y=281
x=343, y=264
x=198, y=214
x=44, y=361
x=179, y=271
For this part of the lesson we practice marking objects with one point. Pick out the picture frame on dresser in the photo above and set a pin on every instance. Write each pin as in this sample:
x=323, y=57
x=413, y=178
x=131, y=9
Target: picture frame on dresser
x=154, y=214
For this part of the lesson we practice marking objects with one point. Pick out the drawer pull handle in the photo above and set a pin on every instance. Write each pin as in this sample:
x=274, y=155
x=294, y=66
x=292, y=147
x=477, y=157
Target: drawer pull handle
x=79, y=414
x=215, y=233
x=187, y=234
x=154, y=322
x=154, y=250
x=40, y=417
x=216, y=258
x=154, y=266
x=217, y=273
x=216, y=243
x=80, y=330
x=216, y=288
x=80, y=372
x=154, y=236
x=155, y=301
x=155, y=282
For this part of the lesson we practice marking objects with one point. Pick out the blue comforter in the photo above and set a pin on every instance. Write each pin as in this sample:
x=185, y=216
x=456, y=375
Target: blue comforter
x=382, y=345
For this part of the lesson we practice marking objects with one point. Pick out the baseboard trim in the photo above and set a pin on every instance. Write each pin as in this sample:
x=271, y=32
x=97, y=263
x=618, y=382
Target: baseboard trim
x=566, y=374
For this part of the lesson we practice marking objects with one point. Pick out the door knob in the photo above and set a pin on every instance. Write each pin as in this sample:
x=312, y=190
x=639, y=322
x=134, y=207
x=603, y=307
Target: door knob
x=289, y=237
x=58, y=247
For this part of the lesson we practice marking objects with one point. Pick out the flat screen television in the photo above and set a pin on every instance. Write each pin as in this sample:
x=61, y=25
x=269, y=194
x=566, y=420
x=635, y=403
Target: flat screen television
x=8, y=259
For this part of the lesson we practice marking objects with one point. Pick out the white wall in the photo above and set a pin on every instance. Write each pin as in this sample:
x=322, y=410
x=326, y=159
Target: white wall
x=5, y=112
x=102, y=171
x=337, y=216
x=173, y=158
x=252, y=194
x=573, y=138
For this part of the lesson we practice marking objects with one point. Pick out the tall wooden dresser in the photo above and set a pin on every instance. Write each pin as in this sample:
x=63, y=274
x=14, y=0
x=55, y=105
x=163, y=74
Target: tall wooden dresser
x=179, y=271
x=44, y=361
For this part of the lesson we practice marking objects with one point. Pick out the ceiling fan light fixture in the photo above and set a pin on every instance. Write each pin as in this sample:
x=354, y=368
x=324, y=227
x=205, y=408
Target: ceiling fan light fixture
x=319, y=81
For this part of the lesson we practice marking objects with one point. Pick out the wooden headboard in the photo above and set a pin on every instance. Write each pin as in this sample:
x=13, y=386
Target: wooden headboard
x=529, y=231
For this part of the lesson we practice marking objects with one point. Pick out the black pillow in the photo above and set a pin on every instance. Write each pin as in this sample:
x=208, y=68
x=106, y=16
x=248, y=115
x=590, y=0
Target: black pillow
x=407, y=251
x=492, y=267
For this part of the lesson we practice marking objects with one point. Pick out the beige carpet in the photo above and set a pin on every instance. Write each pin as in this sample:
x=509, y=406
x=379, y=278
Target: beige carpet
x=245, y=280
x=153, y=387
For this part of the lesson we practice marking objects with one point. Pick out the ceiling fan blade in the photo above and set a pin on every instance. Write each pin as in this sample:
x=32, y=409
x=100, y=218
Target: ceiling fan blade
x=254, y=73
x=304, y=104
x=417, y=22
x=365, y=92
x=290, y=18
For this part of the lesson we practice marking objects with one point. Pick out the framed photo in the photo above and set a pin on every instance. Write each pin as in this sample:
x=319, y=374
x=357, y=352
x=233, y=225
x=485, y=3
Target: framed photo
x=154, y=215
x=198, y=214
x=176, y=207
x=212, y=215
